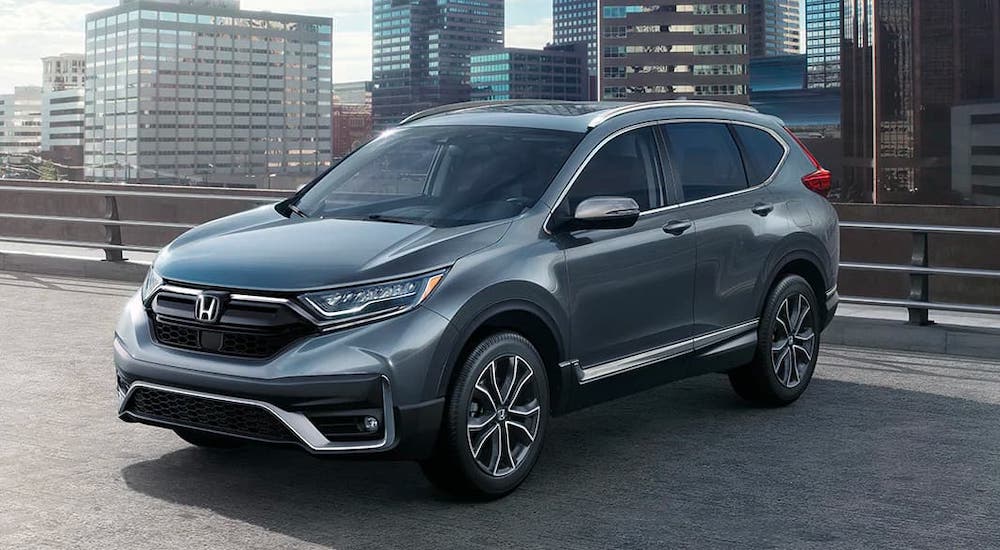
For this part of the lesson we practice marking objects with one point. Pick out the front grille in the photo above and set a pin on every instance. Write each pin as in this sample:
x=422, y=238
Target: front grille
x=245, y=329
x=223, y=341
x=176, y=335
x=199, y=412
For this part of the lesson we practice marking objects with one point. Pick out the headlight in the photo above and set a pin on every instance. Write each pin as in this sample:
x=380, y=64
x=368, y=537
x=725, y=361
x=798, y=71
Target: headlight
x=152, y=282
x=360, y=302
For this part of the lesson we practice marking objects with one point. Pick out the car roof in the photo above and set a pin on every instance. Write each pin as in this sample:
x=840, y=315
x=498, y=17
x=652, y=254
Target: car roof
x=576, y=116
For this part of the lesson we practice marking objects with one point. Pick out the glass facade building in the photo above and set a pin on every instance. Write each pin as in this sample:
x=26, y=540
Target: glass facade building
x=199, y=91
x=575, y=21
x=774, y=27
x=556, y=72
x=823, y=42
x=421, y=49
x=778, y=87
x=904, y=65
x=651, y=50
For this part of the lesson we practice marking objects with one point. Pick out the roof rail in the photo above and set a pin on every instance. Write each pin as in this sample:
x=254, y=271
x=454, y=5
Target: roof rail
x=455, y=107
x=632, y=107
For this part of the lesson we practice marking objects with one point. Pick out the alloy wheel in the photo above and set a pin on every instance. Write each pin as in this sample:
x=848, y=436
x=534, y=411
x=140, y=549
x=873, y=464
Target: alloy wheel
x=504, y=415
x=793, y=340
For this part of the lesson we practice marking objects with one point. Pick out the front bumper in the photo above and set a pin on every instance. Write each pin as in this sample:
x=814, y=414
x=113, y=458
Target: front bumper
x=832, y=301
x=308, y=395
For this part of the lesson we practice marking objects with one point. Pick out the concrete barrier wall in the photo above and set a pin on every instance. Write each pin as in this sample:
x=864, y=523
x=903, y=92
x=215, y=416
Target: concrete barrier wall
x=857, y=245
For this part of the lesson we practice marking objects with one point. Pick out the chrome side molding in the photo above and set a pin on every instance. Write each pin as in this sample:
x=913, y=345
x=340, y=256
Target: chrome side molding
x=663, y=353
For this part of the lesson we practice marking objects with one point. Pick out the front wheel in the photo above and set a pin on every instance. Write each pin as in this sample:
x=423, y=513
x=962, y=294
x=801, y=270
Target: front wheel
x=787, y=346
x=495, y=420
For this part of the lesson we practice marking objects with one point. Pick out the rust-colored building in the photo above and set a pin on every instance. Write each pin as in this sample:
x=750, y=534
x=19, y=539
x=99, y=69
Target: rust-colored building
x=352, y=127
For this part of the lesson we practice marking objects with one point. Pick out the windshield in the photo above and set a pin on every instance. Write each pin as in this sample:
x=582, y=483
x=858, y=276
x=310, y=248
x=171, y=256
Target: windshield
x=442, y=176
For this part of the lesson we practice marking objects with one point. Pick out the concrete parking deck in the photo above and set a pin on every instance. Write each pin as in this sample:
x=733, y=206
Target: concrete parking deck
x=884, y=450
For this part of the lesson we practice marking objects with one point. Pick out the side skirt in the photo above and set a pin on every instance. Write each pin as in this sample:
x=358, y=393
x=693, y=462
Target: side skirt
x=716, y=351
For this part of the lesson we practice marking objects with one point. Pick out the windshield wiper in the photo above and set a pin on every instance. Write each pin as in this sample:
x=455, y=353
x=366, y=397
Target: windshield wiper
x=296, y=210
x=392, y=219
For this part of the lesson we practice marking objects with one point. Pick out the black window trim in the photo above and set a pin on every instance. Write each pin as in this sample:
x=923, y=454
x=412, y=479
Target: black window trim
x=729, y=123
x=663, y=177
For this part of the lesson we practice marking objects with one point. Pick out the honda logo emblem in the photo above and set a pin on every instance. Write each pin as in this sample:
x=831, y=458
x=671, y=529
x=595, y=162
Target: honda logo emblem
x=207, y=308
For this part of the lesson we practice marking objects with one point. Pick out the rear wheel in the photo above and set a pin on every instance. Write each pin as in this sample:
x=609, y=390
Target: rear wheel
x=208, y=440
x=495, y=420
x=787, y=346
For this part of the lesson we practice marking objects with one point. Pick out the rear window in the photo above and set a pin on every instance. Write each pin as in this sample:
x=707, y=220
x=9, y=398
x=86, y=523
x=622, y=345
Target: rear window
x=761, y=152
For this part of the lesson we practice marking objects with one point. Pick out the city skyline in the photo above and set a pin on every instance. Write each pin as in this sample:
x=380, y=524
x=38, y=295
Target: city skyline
x=36, y=29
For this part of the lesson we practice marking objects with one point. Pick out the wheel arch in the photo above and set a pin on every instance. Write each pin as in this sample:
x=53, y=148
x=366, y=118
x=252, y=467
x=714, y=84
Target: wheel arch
x=533, y=314
x=797, y=257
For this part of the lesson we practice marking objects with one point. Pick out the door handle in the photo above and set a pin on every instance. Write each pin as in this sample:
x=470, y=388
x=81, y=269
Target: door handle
x=762, y=208
x=676, y=227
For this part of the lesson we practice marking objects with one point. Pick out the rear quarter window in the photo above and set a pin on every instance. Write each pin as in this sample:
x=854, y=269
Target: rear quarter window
x=761, y=152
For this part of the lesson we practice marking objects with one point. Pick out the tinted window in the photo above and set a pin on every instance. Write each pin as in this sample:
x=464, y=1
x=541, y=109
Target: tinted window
x=442, y=175
x=761, y=153
x=625, y=167
x=705, y=159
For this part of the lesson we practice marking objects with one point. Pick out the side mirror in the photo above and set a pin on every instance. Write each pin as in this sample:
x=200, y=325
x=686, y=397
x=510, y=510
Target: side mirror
x=605, y=213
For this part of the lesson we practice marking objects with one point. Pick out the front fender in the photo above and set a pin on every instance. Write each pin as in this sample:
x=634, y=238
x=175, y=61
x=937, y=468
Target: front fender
x=522, y=296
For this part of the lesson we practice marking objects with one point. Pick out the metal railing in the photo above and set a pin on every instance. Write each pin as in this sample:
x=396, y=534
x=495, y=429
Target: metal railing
x=919, y=303
x=113, y=245
x=919, y=270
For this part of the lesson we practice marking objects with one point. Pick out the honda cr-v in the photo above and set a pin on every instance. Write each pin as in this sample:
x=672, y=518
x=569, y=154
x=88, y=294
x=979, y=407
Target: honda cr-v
x=446, y=289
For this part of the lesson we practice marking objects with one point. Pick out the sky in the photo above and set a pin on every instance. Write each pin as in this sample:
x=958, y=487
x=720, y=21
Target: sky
x=32, y=29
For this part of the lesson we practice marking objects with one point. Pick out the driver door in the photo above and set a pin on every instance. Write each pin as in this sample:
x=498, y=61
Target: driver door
x=631, y=289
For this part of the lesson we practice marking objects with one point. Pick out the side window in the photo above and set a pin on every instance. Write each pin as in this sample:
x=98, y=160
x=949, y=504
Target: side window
x=705, y=159
x=761, y=152
x=627, y=166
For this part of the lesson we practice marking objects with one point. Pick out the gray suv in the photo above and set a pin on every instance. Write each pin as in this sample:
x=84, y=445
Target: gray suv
x=446, y=289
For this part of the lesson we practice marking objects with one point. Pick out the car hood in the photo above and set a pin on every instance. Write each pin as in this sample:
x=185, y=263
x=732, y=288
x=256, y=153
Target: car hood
x=262, y=250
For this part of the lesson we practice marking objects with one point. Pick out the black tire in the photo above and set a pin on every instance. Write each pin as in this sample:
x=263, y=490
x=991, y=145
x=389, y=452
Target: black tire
x=777, y=377
x=208, y=440
x=455, y=467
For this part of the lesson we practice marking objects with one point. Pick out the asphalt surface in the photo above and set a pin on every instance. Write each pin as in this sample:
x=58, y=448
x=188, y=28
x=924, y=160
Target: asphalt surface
x=884, y=450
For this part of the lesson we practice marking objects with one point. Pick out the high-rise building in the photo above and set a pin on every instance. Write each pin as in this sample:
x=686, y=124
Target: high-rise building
x=200, y=91
x=666, y=50
x=358, y=92
x=62, y=130
x=63, y=71
x=556, y=72
x=904, y=65
x=21, y=121
x=975, y=152
x=575, y=21
x=823, y=43
x=63, y=78
x=774, y=27
x=420, y=52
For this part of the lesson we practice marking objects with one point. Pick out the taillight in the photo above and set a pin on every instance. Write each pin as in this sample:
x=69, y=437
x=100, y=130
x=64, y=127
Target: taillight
x=818, y=181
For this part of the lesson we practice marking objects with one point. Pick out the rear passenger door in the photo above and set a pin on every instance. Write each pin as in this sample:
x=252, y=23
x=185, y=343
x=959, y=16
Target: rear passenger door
x=719, y=170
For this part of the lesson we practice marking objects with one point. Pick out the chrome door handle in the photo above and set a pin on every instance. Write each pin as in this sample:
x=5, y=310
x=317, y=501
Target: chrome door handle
x=762, y=208
x=676, y=227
